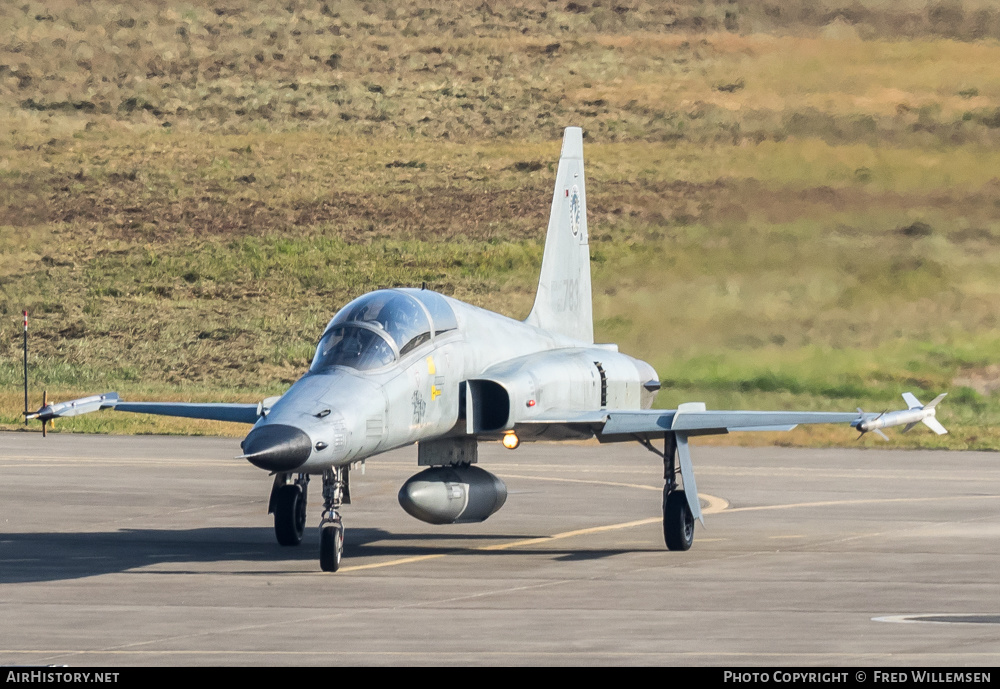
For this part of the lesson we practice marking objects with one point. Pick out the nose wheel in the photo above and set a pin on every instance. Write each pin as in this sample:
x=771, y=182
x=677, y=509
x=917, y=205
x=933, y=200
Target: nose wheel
x=331, y=545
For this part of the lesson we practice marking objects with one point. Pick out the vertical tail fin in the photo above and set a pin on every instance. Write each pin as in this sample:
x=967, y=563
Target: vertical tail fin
x=563, y=302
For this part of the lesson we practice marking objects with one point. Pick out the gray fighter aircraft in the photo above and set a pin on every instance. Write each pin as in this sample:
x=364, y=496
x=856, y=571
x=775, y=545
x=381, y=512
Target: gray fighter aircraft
x=403, y=366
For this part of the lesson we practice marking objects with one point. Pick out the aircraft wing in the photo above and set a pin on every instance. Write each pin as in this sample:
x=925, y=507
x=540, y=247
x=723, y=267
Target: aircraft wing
x=620, y=425
x=221, y=411
x=611, y=426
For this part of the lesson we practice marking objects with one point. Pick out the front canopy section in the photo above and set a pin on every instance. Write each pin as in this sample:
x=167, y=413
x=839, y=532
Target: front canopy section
x=355, y=346
x=396, y=313
x=378, y=328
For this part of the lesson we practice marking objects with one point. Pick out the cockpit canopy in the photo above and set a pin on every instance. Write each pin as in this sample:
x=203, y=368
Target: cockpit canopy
x=376, y=329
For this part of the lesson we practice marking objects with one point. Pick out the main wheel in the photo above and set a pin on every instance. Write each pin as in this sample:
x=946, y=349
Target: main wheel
x=290, y=514
x=678, y=522
x=331, y=546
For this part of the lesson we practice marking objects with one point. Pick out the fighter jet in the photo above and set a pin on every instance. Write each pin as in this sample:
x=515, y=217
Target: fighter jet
x=397, y=367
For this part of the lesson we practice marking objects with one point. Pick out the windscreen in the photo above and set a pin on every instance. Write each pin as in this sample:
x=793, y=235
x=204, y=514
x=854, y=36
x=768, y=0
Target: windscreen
x=353, y=346
x=373, y=331
x=394, y=312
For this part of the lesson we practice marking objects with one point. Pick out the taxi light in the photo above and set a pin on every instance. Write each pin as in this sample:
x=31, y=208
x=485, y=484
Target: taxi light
x=511, y=441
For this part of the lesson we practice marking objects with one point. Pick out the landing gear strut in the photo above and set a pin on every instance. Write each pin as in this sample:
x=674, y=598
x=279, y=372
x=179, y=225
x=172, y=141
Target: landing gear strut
x=331, y=527
x=678, y=520
x=288, y=503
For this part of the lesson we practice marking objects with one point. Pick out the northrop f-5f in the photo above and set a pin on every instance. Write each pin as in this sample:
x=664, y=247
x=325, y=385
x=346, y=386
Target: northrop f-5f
x=402, y=366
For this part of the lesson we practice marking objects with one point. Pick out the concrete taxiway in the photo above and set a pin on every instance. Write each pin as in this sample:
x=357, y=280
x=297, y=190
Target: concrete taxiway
x=158, y=551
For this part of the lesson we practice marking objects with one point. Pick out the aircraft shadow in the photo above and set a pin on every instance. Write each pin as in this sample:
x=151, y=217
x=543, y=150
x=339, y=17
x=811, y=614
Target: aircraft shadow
x=37, y=557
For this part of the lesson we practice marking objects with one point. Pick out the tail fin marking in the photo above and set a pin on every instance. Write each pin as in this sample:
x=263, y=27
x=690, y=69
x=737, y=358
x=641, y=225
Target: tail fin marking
x=563, y=302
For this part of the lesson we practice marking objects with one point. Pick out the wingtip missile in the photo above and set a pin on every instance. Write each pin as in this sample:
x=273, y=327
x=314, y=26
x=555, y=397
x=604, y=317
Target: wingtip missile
x=914, y=414
x=49, y=411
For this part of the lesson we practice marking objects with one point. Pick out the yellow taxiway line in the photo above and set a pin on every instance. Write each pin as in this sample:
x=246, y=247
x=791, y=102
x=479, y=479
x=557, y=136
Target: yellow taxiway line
x=714, y=506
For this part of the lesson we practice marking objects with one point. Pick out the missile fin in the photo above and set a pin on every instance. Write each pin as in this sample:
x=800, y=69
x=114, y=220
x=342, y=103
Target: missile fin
x=935, y=425
x=933, y=402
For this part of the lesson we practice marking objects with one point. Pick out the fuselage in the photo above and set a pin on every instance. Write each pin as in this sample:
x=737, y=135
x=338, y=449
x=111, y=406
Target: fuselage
x=352, y=405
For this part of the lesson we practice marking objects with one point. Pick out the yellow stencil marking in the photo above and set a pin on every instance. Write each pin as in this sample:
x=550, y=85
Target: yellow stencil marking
x=431, y=369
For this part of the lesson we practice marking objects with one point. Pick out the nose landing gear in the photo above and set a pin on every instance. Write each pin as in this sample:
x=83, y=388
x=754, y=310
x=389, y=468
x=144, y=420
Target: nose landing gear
x=331, y=527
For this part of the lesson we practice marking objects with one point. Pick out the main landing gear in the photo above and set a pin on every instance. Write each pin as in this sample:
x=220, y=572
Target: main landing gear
x=678, y=521
x=288, y=504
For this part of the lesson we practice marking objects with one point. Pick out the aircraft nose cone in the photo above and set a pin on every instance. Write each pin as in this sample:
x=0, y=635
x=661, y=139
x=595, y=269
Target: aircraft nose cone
x=275, y=447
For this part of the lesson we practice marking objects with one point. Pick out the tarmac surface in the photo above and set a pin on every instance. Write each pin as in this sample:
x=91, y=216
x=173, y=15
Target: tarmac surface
x=118, y=551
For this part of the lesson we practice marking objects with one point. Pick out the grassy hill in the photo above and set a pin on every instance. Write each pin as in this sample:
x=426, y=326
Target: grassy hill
x=791, y=204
